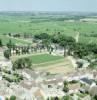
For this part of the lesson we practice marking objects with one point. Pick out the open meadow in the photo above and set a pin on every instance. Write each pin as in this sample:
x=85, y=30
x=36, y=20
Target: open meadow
x=36, y=24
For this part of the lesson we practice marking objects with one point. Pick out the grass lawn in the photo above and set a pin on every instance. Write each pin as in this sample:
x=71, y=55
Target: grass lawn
x=43, y=58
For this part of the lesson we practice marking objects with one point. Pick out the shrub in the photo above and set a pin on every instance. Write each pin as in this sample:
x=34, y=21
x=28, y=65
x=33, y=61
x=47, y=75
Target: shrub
x=22, y=63
x=13, y=97
x=7, y=54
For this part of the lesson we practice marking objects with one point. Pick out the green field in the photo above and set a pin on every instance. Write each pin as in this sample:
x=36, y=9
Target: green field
x=49, y=27
x=43, y=58
x=40, y=58
x=36, y=24
x=5, y=40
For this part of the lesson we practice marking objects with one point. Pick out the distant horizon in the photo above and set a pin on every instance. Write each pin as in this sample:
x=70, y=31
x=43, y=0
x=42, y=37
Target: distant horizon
x=47, y=11
x=49, y=5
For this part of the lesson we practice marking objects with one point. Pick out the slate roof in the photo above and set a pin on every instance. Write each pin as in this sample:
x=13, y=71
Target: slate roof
x=86, y=80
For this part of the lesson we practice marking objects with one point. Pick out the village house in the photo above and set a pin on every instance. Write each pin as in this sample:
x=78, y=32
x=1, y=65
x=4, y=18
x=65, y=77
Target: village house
x=6, y=64
x=21, y=92
x=73, y=88
x=87, y=83
x=52, y=91
x=54, y=80
x=93, y=90
x=3, y=87
x=39, y=95
x=29, y=74
x=82, y=63
x=94, y=74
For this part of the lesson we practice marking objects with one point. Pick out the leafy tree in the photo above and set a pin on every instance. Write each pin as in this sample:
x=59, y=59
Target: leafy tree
x=65, y=89
x=66, y=42
x=13, y=97
x=55, y=38
x=9, y=34
x=80, y=50
x=1, y=43
x=6, y=98
x=93, y=65
x=7, y=54
x=42, y=36
x=94, y=97
x=47, y=44
x=56, y=98
x=28, y=62
x=10, y=44
x=66, y=98
x=22, y=63
x=53, y=98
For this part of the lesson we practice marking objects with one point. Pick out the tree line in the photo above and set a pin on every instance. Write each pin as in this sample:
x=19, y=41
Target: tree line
x=68, y=43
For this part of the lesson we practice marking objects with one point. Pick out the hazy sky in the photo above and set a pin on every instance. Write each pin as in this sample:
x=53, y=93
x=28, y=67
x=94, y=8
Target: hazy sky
x=48, y=5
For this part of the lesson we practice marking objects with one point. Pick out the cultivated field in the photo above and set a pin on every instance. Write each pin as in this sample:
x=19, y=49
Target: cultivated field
x=39, y=58
x=5, y=39
x=45, y=24
x=60, y=66
x=35, y=24
x=49, y=63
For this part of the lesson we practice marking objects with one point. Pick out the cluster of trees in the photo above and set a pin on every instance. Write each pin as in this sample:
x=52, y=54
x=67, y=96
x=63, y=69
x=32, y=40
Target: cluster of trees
x=21, y=49
x=77, y=50
x=46, y=41
x=67, y=97
x=95, y=97
x=42, y=36
x=92, y=34
x=22, y=63
x=68, y=43
x=11, y=46
x=15, y=76
x=11, y=98
x=12, y=79
x=65, y=88
x=7, y=53
x=18, y=35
